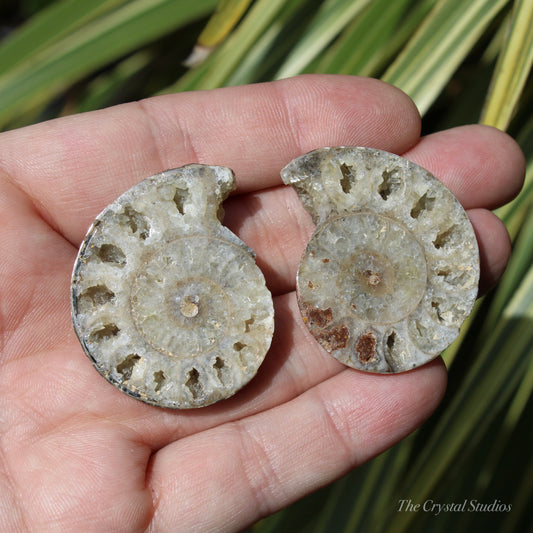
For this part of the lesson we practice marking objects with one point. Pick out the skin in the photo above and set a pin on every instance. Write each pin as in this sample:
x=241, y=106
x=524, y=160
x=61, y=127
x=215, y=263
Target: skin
x=77, y=454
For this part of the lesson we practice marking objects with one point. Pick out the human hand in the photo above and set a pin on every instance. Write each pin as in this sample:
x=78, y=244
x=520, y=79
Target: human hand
x=76, y=453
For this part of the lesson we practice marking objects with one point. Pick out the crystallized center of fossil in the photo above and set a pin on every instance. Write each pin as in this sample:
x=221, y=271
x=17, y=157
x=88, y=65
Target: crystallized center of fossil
x=378, y=266
x=178, y=314
x=189, y=306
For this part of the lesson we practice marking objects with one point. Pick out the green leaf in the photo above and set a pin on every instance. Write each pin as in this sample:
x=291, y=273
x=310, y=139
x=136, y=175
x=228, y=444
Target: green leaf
x=106, y=86
x=49, y=26
x=438, y=51
x=222, y=63
x=221, y=23
x=442, y=42
x=264, y=57
x=362, y=52
x=522, y=503
x=489, y=384
x=223, y=20
x=520, y=261
x=513, y=68
x=330, y=20
x=105, y=39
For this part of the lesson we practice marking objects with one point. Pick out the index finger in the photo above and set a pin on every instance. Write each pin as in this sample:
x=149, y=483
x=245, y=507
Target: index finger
x=73, y=167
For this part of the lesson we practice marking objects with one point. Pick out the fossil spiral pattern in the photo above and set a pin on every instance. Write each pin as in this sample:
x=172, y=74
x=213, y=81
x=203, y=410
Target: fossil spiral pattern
x=167, y=302
x=392, y=269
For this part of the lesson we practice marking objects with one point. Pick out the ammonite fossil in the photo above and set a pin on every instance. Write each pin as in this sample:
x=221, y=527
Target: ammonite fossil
x=392, y=269
x=167, y=302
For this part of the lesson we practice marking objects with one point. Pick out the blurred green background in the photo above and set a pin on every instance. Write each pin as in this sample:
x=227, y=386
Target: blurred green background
x=461, y=62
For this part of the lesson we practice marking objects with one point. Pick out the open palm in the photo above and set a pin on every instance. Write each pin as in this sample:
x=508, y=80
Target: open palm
x=76, y=453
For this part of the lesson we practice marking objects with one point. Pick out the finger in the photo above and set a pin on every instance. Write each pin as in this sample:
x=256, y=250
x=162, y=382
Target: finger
x=73, y=167
x=61, y=474
x=277, y=227
x=494, y=246
x=482, y=166
x=34, y=279
x=266, y=461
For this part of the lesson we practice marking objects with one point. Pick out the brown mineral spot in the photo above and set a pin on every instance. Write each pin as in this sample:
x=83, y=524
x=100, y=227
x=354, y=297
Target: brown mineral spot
x=366, y=347
x=325, y=260
x=319, y=317
x=334, y=338
x=310, y=284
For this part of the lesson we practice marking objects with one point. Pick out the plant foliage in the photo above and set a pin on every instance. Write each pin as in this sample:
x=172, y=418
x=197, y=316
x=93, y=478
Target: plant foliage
x=460, y=61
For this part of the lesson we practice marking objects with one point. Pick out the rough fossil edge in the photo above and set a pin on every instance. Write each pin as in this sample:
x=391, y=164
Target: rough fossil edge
x=176, y=206
x=334, y=184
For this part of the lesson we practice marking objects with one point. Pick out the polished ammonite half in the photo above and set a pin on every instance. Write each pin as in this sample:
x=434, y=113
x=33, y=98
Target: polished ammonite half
x=167, y=302
x=392, y=269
